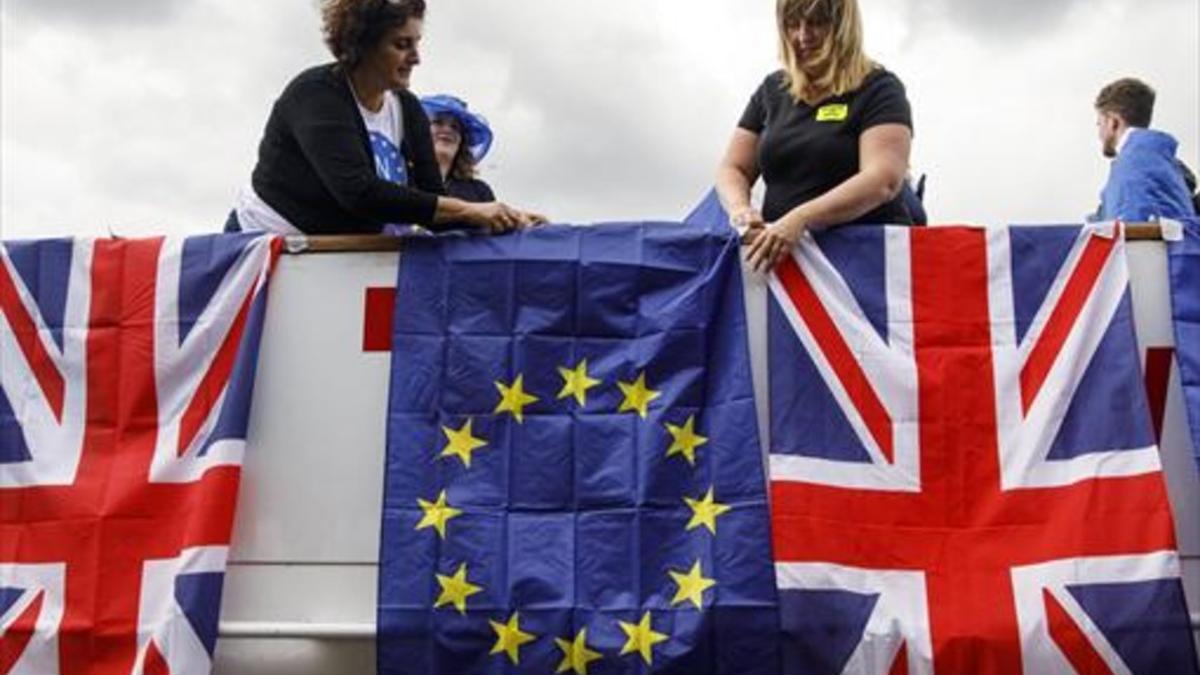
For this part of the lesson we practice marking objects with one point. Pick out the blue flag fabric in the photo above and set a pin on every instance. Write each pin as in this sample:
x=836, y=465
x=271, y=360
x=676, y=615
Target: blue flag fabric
x=708, y=212
x=574, y=478
x=1184, y=257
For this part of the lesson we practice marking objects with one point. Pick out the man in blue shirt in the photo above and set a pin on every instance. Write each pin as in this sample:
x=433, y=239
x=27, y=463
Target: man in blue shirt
x=1145, y=182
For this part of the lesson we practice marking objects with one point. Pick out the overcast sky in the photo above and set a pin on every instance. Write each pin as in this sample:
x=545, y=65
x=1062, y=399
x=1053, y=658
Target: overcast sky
x=144, y=116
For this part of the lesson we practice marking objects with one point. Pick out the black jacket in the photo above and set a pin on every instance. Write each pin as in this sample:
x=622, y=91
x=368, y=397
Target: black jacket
x=315, y=165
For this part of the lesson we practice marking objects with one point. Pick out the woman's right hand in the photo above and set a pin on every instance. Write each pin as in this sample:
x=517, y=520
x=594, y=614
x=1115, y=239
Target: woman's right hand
x=774, y=243
x=498, y=217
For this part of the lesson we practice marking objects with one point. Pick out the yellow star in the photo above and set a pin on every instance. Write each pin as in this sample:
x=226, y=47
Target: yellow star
x=514, y=399
x=576, y=382
x=576, y=655
x=642, y=638
x=460, y=443
x=456, y=590
x=437, y=514
x=510, y=637
x=685, y=440
x=637, y=395
x=705, y=512
x=691, y=586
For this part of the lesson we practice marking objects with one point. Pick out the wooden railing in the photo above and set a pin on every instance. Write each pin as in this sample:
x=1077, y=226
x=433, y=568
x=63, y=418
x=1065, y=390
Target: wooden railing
x=370, y=243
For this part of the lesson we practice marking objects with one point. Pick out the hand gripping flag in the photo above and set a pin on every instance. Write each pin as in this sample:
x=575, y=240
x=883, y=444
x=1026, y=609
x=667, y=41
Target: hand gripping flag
x=574, y=477
x=964, y=476
x=126, y=369
x=1184, y=260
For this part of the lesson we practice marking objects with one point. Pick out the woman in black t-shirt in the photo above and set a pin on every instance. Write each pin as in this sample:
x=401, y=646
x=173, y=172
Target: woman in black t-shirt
x=830, y=134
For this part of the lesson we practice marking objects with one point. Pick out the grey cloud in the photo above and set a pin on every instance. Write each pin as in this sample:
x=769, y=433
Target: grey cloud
x=607, y=143
x=593, y=146
x=1014, y=20
x=1011, y=18
x=94, y=13
x=178, y=166
x=603, y=111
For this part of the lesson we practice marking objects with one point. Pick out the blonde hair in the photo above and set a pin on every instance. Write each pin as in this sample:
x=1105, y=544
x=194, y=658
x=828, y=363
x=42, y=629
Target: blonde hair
x=839, y=66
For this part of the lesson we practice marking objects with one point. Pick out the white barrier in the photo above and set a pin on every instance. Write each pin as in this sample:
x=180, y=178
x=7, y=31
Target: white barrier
x=300, y=591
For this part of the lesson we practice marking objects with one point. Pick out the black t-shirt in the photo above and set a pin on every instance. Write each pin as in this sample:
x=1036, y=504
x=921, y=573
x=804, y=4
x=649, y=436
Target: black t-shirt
x=804, y=151
x=469, y=190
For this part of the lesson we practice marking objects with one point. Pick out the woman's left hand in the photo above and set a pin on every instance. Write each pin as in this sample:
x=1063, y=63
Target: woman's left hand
x=773, y=243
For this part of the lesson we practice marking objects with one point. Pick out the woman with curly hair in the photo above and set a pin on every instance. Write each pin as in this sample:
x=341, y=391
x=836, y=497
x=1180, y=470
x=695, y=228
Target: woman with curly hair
x=830, y=134
x=347, y=147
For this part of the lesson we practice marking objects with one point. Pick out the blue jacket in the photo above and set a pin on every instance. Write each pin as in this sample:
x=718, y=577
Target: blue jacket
x=1144, y=183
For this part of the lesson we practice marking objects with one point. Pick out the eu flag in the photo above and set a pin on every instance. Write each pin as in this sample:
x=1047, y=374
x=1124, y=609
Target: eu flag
x=1184, y=257
x=574, y=478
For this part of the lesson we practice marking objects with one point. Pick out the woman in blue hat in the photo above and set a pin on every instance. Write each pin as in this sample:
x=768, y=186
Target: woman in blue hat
x=461, y=139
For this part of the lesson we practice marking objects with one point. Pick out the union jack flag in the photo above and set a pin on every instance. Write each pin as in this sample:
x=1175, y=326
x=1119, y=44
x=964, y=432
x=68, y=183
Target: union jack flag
x=964, y=473
x=126, y=369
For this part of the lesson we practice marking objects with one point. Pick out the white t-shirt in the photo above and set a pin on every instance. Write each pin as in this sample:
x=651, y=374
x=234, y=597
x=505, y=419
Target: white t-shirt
x=385, y=130
x=255, y=215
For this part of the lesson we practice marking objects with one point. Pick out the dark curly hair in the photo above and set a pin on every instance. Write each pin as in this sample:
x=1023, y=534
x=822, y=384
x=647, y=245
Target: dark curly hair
x=354, y=27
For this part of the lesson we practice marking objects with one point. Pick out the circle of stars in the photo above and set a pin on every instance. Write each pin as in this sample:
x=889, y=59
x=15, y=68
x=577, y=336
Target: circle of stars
x=691, y=585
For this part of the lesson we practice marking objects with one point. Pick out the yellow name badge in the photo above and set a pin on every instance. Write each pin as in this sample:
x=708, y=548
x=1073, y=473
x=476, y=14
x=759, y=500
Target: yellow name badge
x=834, y=112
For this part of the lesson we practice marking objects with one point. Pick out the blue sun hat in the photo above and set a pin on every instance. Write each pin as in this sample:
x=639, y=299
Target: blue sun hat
x=476, y=132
